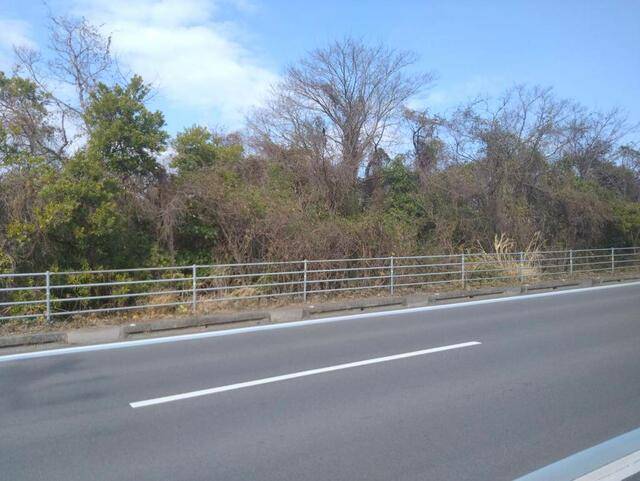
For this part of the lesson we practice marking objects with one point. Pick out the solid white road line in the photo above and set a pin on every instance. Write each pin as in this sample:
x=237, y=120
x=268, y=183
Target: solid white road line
x=616, y=471
x=288, y=325
x=613, y=460
x=294, y=375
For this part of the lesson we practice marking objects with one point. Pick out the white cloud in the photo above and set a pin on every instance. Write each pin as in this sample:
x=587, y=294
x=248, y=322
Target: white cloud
x=12, y=32
x=196, y=61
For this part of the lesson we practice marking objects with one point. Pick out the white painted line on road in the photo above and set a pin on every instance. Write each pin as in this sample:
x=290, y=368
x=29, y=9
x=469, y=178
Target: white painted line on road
x=294, y=375
x=613, y=460
x=616, y=471
x=288, y=325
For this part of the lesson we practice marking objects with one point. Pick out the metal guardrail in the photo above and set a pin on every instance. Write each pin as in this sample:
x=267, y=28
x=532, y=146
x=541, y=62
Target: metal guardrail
x=56, y=294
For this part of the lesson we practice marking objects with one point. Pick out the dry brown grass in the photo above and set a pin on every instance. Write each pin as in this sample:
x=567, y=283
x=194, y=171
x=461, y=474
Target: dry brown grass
x=506, y=261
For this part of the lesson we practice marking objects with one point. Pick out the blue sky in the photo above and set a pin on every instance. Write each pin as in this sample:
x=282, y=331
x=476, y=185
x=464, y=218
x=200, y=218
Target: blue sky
x=212, y=60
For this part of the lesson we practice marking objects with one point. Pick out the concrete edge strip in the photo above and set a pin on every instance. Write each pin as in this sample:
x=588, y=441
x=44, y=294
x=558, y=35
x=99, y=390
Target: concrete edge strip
x=296, y=375
x=308, y=322
x=612, y=460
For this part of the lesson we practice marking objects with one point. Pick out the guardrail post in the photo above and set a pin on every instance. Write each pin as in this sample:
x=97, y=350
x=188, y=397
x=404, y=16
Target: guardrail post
x=571, y=262
x=304, y=283
x=194, y=298
x=462, y=272
x=391, y=283
x=613, y=259
x=48, y=285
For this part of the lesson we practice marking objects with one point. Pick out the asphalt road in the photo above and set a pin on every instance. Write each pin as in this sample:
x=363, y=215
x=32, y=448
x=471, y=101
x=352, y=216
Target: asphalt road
x=552, y=376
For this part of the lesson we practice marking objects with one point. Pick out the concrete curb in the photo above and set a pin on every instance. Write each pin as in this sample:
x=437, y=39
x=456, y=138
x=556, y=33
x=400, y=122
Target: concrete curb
x=557, y=285
x=471, y=293
x=196, y=321
x=620, y=278
x=95, y=335
x=32, y=339
x=289, y=314
x=355, y=305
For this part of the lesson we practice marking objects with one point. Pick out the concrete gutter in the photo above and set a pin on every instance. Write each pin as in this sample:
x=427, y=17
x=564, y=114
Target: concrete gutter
x=287, y=314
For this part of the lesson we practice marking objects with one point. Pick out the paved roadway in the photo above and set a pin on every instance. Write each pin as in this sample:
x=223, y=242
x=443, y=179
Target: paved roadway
x=553, y=375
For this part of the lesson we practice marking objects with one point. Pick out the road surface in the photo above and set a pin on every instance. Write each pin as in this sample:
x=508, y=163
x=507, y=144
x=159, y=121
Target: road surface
x=479, y=391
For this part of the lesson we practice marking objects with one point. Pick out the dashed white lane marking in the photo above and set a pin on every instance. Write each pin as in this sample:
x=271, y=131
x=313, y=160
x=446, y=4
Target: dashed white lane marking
x=294, y=375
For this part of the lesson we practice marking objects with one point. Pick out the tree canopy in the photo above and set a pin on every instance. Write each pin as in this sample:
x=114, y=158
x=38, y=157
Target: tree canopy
x=124, y=134
x=335, y=165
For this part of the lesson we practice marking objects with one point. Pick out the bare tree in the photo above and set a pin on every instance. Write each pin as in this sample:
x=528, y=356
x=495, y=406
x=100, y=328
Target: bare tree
x=353, y=91
x=24, y=122
x=510, y=142
x=427, y=146
x=591, y=138
x=629, y=157
x=79, y=57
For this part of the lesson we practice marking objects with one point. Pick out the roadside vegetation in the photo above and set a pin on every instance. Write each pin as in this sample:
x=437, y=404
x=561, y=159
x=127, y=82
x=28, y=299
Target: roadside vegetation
x=334, y=165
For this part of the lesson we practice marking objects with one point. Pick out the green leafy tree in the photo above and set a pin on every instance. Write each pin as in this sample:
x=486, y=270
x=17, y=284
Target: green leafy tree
x=401, y=190
x=80, y=218
x=124, y=134
x=197, y=147
x=627, y=223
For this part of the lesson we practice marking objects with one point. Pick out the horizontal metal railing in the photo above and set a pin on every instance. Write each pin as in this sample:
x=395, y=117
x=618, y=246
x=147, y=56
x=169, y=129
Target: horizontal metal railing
x=56, y=294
